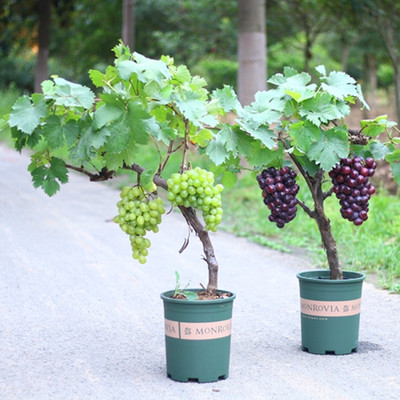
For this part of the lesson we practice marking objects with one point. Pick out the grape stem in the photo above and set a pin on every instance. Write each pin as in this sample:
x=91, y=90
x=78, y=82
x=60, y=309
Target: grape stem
x=188, y=213
x=314, y=184
x=193, y=221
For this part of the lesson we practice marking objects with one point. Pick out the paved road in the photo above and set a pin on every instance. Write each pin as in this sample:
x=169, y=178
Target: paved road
x=80, y=319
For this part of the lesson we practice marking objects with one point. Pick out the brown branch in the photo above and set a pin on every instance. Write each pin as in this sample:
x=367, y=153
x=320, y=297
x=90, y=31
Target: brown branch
x=193, y=221
x=103, y=175
x=306, y=208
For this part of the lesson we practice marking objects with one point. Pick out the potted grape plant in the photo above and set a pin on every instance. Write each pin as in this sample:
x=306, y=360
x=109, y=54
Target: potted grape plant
x=140, y=102
x=298, y=128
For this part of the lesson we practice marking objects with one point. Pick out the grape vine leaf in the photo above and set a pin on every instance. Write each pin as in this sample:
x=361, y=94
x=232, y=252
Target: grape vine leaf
x=194, y=109
x=105, y=114
x=262, y=156
x=375, y=127
x=304, y=133
x=331, y=147
x=48, y=177
x=96, y=77
x=339, y=84
x=395, y=167
x=378, y=150
x=144, y=68
x=71, y=94
x=216, y=151
x=53, y=132
x=235, y=140
x=227, y=98
x=89, y=142
x=120, y=136
x=26, y=114
x=394, y=156
x=139, y=121
x=265, y=135
x=319, y=109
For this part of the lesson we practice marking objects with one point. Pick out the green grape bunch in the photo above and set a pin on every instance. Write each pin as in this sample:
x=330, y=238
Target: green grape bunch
x=195, y=188
x=139, y=213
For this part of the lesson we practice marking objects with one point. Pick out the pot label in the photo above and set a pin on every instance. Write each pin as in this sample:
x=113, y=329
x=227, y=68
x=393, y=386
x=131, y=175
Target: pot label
x=330, y=308
x=198, y=330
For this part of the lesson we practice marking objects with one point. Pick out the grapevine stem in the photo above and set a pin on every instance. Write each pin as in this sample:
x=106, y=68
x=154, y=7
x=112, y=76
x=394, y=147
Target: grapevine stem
x=191, y=218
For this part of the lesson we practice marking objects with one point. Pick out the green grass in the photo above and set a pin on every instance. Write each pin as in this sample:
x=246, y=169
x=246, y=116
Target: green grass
x=373, y=247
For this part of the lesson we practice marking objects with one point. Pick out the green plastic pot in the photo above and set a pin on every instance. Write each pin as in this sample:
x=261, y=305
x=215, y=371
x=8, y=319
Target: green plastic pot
x=197, y=338
x=330, y=312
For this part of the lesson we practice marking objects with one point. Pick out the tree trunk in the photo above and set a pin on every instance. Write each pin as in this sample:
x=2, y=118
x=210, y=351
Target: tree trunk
x=396, y=75
x=128, y=23
x=41, y=72
x=386, y=30
x=193, y=221
x=324, y=226
x=252, y=74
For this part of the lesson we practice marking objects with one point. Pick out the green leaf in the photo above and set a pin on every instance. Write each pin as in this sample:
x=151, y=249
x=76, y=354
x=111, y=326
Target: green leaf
x=96, y=77
x=105, y=114
x=53, y=133
x=127, y=156
x=228, y=178
x=227, y=98
x=59, y=170
x=378, y=150
x=145, y=69
x=71, y=94
x=340, y=85
x=266, y=136
x=332, y=146
x=394, y=156
x=139, y=121
x=396, y=172
x=26, y=114
x=161, y=131
x=48, y=87
x=120, y=136
x=263, y=156
x=235, y=140
x=89, y=142
x=267, y=107
x=217, y=152
x=194, y=109
x=308, y=165
x=146, y=177
x=304, y=134
x=321, y=69
x=374, y=127
x=201, y=137
x=46, y=177
x=182, y=74
x=294, y=84
x=319, y=109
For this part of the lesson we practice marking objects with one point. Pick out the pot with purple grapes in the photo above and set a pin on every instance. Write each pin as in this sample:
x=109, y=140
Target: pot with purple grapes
x=300, y=138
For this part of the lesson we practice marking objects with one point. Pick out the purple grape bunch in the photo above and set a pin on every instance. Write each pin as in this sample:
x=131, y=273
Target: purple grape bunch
x=350, y=178
x=279, y=190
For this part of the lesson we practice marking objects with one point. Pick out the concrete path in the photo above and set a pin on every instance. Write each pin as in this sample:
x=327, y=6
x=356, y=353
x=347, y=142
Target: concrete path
x=80, y=319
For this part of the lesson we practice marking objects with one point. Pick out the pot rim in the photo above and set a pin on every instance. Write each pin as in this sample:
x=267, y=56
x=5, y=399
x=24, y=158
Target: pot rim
x=165, y=296
x=312, y=276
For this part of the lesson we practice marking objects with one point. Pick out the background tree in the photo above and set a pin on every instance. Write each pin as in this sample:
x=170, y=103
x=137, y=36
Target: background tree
x=128, y=23
x=43, y=41
x=252, y=45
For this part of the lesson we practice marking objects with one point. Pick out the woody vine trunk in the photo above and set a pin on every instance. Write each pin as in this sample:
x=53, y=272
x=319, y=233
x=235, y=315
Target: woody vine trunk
x=314, y=184
x=194, y=223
